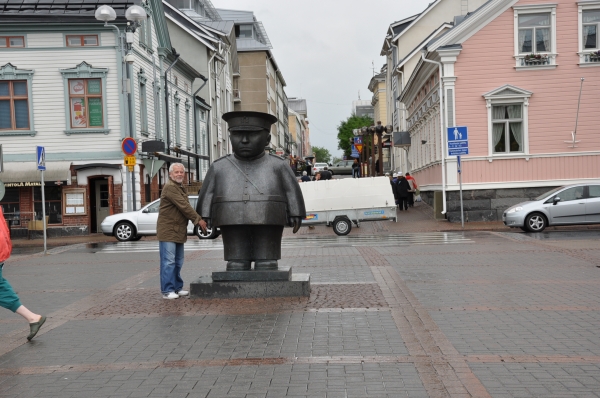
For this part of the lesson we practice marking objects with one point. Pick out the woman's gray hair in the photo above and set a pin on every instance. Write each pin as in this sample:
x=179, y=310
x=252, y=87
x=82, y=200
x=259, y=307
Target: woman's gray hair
x=173, y=165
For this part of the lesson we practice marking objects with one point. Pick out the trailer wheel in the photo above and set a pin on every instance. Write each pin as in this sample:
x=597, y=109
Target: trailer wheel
x=342, y=226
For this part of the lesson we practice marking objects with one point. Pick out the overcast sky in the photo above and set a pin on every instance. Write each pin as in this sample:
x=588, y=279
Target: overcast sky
x=325, y=50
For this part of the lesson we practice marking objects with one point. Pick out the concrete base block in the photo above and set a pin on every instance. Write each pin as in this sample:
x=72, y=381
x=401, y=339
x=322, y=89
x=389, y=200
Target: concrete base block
x=205, y=287
x=280, y=274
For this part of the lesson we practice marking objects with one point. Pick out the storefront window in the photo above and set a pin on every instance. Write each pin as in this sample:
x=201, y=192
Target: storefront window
x=53, y=198
x=11, y=207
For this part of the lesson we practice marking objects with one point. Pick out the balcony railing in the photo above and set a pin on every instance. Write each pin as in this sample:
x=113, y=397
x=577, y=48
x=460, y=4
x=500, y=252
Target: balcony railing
x=237, y=95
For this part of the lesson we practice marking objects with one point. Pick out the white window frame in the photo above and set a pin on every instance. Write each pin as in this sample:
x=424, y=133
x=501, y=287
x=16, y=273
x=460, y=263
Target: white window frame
x=508, y=95
x=584, y=55
x=550, y=63
x=507, y=128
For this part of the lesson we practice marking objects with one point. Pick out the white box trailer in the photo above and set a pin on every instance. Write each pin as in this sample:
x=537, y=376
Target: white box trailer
x=348, y=201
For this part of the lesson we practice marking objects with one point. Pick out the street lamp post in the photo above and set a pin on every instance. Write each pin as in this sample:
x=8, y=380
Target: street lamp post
x=134, y=14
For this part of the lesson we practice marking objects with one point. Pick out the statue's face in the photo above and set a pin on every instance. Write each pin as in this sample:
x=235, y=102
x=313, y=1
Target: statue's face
x=249, y=144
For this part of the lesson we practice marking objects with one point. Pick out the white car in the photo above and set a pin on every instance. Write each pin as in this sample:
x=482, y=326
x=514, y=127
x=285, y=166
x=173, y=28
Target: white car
x=318, y=167
x=133, y=225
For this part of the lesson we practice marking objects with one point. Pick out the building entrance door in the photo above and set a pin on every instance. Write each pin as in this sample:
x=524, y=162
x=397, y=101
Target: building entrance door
x=102, y=203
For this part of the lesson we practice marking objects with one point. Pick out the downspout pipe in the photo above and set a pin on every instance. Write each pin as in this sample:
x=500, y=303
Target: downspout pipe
x=196, y=125
x=167, y=100
x=209, y=121
x=442, y=135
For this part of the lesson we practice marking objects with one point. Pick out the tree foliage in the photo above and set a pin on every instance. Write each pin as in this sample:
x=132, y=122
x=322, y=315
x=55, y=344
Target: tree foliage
x=321, y=154
x=345, y=131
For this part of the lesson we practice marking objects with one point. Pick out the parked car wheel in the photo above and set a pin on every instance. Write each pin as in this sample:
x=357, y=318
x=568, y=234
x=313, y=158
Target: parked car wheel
x=536, y=222
x=211, y=233
x=342, y=226
x=124, y=231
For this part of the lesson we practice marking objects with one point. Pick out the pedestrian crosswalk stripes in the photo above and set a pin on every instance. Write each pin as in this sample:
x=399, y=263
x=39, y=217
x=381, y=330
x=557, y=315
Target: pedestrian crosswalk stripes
x=432, y=238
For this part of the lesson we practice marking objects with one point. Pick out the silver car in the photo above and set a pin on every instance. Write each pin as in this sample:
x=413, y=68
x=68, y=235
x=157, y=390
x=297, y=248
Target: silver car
x=133, y=225
x=342, y=167
x=567, y=205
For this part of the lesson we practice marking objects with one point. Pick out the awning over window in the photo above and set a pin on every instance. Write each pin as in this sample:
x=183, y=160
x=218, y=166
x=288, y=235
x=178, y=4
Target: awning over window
x=26, y=174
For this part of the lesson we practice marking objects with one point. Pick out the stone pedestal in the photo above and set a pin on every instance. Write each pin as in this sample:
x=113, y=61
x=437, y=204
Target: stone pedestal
x=280, y=274
x=251, y=284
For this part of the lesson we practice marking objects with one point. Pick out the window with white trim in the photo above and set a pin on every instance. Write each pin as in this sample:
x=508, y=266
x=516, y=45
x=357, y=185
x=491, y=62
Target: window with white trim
x=535, y=35
x=591, y=25
x=507, y=128
x=143, y=100
x=508, y=133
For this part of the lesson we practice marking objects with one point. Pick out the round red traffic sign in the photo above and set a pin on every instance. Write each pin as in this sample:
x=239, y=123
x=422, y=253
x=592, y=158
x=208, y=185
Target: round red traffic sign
x=129, y=146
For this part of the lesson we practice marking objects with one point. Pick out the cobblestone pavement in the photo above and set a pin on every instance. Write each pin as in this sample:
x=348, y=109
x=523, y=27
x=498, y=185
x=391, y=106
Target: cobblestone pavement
x=391, y=314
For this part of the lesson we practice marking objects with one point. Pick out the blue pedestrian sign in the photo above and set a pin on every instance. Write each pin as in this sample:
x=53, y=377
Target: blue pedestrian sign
x=41, y=158
x=458, y=141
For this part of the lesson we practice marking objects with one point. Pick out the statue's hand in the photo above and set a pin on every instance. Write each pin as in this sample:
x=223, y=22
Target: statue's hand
x=295, y=222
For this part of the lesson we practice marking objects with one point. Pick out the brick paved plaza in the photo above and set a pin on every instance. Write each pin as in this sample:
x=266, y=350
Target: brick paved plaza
x=391, y=314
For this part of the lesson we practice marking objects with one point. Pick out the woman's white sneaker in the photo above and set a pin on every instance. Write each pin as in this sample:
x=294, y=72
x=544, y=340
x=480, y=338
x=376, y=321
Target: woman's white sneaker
x=183, y=293
x=171, y=296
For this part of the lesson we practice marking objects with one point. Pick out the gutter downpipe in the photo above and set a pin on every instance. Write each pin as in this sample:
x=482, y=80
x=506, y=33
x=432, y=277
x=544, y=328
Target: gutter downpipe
x=167, y=102
x=442, y=136
x=209, y=124
x=196, y=126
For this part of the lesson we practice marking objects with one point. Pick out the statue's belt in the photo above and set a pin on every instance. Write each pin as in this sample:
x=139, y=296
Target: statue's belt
x=249, y=198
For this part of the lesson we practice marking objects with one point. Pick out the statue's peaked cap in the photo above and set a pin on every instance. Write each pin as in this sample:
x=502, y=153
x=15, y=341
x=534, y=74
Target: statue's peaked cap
x=249, y=121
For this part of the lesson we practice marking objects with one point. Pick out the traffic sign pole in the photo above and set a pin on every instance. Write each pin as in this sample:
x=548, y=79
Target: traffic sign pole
x=462, y=214
x=44, y=210
x=129, y=147
x=41, y=165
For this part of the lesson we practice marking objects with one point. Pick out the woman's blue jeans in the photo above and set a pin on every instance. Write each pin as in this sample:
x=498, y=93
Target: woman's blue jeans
x=171, y=261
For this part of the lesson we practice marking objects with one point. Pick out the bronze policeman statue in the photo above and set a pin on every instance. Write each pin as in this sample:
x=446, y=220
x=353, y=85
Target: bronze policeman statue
x=251, y=195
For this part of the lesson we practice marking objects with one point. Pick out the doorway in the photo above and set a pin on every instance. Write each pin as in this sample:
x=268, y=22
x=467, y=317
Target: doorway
x=99, y=203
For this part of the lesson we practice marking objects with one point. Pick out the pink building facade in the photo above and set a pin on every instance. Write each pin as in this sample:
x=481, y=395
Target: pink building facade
x=511, y=72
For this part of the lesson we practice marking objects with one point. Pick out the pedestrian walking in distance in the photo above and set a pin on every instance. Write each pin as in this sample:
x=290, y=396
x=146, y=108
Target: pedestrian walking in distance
x=413, y=186
x=355, y=169
x=173, y=215
x=8, y=297
x=402, y=189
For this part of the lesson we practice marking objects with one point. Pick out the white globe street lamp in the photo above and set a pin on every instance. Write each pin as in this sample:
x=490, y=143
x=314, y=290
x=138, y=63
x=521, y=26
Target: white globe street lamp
x=136, y=13
x=105, y=13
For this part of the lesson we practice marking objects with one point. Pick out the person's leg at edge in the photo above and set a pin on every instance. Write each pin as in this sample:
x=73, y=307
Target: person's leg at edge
x=167, y=252
x=10, y=301
x=179, y=256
